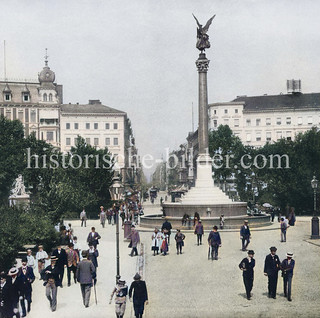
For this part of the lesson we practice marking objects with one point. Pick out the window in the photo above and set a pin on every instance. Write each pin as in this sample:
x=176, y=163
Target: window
x=115, y=141
x=50, y=97
x=248, y=137
x=7, y=97
x=236, y=123
x=226, y=111
x=107, y=141
x=258, y=121
x=67, y=125
x=95, y=125
x=68, y=141
x=76, y=126
x=288, y=135
x=115, y=126
x=278, y=121
x=236, y=111
x=309, y=120
x=87, y=125
x=33, y=115
x=20, y=115
x=268, y=121
x=299, y=120
x=288, y=120
x=258, y=136
x=215, y=123
x=268, y=136
x=49, y=135
x=26, y=97
x=76, y=141
x=279, y=135
x=96, y=141
x=248, y=121
x=107, y=126
x=8, y=114
x=215, y=112
x=226, y=121
x=88, y=141
x=45, y=98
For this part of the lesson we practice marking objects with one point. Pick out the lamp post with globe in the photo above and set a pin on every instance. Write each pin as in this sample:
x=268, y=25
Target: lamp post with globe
x=116, y=192
x=315, y=219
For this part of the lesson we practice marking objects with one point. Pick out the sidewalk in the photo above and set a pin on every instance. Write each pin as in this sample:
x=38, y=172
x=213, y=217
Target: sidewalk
x=69, y=298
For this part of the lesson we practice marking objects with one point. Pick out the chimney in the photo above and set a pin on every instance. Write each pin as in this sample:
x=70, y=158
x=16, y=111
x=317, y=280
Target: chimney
x=94, y=101
x=293, y=86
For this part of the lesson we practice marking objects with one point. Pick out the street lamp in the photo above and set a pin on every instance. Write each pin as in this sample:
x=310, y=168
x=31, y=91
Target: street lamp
x=315, y=219
x=116, y=191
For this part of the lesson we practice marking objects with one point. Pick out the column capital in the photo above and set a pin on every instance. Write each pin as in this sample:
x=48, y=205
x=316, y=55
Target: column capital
x=202, y=63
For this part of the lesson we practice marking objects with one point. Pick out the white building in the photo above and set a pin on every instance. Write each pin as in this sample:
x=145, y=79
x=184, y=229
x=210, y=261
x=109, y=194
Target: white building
x=257, y=120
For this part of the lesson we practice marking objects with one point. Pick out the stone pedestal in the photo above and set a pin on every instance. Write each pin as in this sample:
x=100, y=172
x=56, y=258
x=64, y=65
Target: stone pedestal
x=315, y=228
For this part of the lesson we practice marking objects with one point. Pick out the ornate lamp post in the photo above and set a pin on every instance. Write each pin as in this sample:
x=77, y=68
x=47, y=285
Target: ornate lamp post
x=116, y=191
x=315, y=219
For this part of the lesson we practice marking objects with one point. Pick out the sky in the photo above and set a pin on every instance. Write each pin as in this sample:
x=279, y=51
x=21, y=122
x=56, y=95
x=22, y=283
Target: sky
x=139, y=55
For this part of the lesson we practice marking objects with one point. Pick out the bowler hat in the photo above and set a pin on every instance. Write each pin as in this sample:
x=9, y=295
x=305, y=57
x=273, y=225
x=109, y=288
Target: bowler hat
x=13, y=271
x=289, y=254
x=273, y=248
x=137, y=276
x=251, y=252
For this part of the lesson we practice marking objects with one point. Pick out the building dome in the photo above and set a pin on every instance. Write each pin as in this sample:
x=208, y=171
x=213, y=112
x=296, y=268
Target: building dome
x=46, y=75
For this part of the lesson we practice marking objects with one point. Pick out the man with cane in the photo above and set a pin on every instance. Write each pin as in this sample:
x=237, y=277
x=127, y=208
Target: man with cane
x=86, y=276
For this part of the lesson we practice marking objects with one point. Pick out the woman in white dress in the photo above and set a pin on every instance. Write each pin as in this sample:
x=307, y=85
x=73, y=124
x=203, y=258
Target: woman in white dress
x=157, y=238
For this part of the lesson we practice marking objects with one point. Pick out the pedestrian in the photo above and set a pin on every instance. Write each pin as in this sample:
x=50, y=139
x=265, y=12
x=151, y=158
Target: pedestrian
x=271, y=269
x=41, y=257
x=221, y=221
x=121, y=291
x=273, y=213
x=164, y=245
x=72, y=262
x=52, y=281
x=83, y=218
x=93, y=237
x=140, y=295
x=93, y=255
x=26, y=277
x=102, y=216
x=166, y=229
x=214, y=241
x=245, y=235
x=31, y=262
x=292, y=217
x=109, y=216
x=6, y=300
x=61, y=262
x=157, y=238
x=247, y=265
x=287, y=267
x=196, y=218
x=134, y=238
x=16, y=290
x=86, y=276
x=199, y=232
x=77, y=247
x=179, y=241
x=283, y=228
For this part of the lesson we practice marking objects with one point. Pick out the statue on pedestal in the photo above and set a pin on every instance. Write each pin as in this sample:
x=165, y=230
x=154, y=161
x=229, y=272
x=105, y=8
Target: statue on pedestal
x=202, y=36
x=19, y=188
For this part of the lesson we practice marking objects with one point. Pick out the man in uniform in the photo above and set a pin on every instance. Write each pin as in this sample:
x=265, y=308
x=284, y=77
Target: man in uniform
x=52, y=281
x=121, y=291
x=287, y=267
x=245, y=235
x=27, y=277
x=271, y=269
x=247, y=265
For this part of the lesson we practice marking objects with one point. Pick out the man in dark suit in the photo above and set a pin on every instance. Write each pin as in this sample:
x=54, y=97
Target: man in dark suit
x=140, y=295
x=27, y=277
x=86, y=273
x=93, y=237
x=166, y=228
x=287, y=267
x=271, y=269
x=245, y=235
x=61, y=262
x=6, y=302
x=16, y=290
x=247, y=265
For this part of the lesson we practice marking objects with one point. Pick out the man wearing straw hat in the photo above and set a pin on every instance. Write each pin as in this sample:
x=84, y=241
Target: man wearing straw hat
x=6, y=304
x=52, y=281
x=16, y=290
x=287, y=267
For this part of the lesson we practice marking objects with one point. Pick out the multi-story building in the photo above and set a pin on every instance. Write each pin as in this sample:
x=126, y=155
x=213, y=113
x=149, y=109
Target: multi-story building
x=268, y=118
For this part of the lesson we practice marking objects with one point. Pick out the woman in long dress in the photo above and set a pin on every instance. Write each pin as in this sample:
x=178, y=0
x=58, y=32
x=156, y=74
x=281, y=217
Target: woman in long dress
x=157, y=238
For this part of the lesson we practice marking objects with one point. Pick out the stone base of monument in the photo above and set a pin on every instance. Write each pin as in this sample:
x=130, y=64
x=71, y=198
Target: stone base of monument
x=19, y=200
x=231, y=222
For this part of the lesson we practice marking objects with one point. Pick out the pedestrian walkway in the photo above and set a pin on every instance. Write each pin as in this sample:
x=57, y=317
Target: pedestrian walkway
x=69, y=298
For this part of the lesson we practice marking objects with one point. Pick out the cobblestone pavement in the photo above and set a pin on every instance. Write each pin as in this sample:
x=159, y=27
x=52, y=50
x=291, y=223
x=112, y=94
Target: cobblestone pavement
x=190, y=285
x=69, y=298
